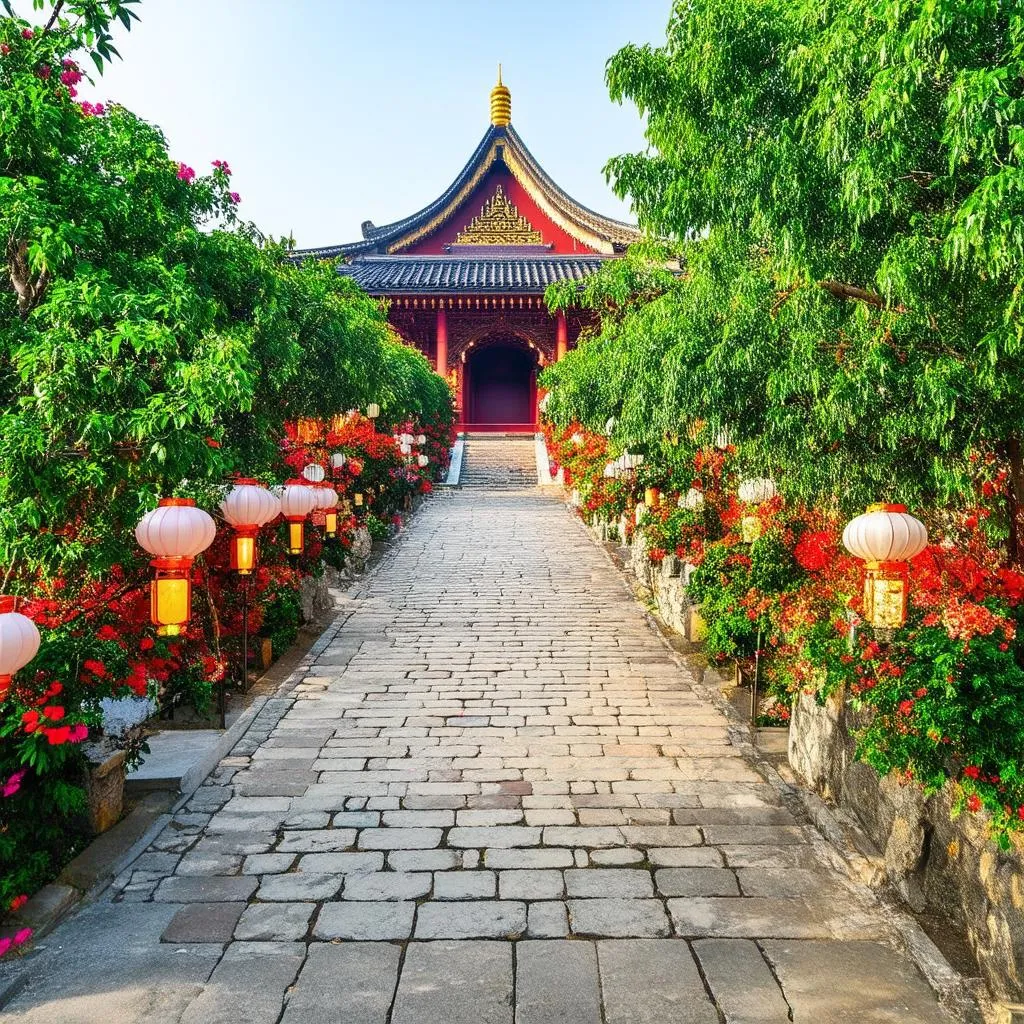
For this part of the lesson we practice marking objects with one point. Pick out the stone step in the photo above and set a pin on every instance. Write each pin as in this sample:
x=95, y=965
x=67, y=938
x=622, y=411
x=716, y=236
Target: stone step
x=499, y=462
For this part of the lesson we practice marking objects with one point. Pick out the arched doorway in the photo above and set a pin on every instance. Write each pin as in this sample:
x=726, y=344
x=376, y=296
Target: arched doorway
x=501, y=386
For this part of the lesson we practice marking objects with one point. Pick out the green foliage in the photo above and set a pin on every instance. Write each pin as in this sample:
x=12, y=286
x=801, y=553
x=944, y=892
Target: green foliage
x=281, y=620
x=151, y=344
x=843, y=186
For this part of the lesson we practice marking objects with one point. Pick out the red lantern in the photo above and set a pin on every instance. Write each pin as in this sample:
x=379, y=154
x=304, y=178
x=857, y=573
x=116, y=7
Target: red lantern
x=175, y=532
x=247, y=507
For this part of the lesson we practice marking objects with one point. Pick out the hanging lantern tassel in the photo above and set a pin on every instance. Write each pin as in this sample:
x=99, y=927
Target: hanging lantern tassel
x=19, y=641
x=174, y=532
x=298, y=499
x=885, y=538
x=247, y=507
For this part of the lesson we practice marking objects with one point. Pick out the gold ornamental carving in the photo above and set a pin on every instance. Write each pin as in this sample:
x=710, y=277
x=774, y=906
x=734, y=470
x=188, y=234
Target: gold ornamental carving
x=499, y=223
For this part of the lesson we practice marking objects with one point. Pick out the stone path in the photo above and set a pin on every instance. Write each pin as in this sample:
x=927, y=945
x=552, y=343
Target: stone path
x=492, y=797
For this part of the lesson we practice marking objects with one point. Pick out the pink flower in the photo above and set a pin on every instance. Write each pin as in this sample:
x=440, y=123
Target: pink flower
x=185, y=173
x=222, y=165
x=78, y=733
x=13, y=784
x=88, y=109
x=70, y=76
x=234, y=197
x=27, y=33
x=4, y=49
x=43, y=71
x=23, y=936
x=72, y=91
x=5, y=944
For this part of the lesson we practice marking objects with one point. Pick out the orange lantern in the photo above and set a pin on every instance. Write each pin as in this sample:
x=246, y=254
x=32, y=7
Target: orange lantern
x=19, y=641
x=885, y=538
x=247, y=507
x=174, y=532
x=298, y=499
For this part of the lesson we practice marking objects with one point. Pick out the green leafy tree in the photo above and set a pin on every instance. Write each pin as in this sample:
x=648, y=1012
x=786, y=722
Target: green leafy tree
x=843, y=186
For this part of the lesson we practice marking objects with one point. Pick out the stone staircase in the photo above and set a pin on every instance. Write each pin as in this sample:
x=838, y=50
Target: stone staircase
x=499, y=461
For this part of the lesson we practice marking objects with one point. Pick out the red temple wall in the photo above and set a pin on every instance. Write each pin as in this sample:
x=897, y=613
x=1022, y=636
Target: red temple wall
x=562, y=243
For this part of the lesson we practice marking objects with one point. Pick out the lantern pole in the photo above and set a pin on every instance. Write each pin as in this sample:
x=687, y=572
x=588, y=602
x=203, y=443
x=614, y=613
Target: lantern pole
x=245, y=635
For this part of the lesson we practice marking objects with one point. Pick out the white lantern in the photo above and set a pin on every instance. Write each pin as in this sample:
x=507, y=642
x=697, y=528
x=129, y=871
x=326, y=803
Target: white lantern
x=337, y=460
x=421, y=439
x=609, y=469
x=247, y=507
x=692, y=499
x=407, y=439
x=249, y=503
x=174, y=533
x=757, y=490
x=326, y=497
x=176, y=529
x=885, y=538
x=423, y=461
x=609, y=426
x=19, y=641
x=298, y=499
x=723, y=439
x=373, y=410
x=314, y=473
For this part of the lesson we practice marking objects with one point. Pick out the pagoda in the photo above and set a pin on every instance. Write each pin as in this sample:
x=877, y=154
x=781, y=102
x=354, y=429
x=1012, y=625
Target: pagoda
x=464, y=278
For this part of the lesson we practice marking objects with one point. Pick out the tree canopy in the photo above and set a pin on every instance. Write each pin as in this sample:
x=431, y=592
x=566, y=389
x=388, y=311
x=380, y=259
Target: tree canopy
x=842, y=187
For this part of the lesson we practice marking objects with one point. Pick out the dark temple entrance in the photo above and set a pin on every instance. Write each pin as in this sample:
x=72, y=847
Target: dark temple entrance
x=501, y=386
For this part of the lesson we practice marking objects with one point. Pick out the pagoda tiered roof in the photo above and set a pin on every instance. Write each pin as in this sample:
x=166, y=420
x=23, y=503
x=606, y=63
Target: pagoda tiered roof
x=444, y=275
x=502, y=226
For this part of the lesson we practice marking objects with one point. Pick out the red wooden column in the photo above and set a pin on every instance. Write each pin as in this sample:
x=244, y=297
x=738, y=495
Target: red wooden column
x=561, y=337
x=442, y=342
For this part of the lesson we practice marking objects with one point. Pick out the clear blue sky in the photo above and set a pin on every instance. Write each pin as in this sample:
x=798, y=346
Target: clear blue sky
x=332, y=112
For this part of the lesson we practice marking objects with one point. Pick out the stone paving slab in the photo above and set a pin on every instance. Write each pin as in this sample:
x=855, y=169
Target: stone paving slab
x=489, y=795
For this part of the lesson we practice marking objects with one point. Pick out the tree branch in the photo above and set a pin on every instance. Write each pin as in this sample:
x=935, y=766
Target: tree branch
x=851, y=291
x=30, y=290
x=53, y=17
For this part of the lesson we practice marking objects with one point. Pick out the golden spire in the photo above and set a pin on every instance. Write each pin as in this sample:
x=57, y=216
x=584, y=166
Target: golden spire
x=501, y=103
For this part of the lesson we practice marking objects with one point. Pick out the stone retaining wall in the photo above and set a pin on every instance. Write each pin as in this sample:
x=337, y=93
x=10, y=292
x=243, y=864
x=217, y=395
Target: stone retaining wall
x=937, y=863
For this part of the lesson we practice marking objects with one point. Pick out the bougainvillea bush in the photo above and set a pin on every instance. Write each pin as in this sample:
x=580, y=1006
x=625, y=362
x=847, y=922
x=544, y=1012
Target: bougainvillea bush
x=151, y=344
x=941, y=699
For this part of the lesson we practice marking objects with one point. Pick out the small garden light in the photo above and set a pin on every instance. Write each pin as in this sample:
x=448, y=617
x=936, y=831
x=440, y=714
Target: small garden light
x=174, y=532
x=885, y=538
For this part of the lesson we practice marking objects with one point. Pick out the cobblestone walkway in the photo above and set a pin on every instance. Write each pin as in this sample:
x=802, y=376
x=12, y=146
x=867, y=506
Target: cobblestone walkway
x=493, y=797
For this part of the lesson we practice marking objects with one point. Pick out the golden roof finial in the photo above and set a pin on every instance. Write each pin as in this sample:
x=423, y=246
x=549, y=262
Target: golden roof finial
x=501, y=103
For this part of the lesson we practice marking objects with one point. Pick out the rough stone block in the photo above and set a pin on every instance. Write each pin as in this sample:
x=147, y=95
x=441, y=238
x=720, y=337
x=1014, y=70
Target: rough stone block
x=364, y=922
